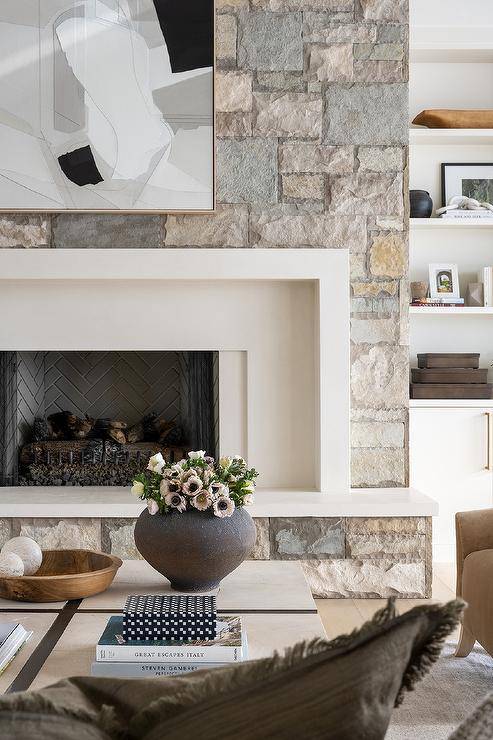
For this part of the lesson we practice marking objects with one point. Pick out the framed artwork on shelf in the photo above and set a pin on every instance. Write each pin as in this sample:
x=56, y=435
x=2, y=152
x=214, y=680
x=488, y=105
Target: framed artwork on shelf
x=107, y=106
x=444, y=280
x=475, y=180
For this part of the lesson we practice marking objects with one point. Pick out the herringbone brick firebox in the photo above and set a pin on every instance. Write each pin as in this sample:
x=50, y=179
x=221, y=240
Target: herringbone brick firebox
x=175, y=387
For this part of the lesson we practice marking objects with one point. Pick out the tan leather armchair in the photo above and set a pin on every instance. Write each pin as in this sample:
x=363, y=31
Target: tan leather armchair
x=474, y=543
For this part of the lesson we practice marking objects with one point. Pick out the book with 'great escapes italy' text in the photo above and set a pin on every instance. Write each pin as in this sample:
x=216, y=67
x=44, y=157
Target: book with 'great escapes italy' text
x=228, y=647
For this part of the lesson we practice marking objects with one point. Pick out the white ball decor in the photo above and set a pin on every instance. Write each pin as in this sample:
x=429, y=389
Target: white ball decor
x=28, y=550
x=11, y=565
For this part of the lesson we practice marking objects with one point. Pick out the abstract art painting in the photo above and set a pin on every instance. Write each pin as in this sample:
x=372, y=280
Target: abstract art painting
x=106, y=105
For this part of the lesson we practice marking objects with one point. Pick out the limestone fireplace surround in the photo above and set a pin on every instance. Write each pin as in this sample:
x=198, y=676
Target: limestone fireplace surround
x=279, y=320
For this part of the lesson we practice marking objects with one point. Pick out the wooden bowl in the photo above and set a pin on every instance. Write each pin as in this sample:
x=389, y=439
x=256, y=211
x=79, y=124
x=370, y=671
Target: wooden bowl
x=63, y=575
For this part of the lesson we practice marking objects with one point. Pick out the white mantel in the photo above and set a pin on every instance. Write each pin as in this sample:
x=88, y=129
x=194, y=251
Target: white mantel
x=278, y=318
x=116, y=502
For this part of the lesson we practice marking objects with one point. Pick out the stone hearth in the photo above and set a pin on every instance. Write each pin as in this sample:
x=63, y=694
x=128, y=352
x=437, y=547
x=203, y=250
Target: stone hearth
x=359, y=544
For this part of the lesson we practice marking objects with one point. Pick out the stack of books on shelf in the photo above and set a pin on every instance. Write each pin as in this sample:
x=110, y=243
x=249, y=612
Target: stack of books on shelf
x=462, y=214
x=12, y=637
x=439, y=302
x=166, y=636
x=453, y=376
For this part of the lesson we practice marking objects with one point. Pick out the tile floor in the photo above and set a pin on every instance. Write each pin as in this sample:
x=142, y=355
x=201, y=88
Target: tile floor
x=343, y=615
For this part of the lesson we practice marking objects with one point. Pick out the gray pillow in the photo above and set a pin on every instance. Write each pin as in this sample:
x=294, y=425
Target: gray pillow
x=345, y=689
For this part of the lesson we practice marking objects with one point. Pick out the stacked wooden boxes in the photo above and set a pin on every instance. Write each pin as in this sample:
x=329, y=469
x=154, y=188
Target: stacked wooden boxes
x=450, y=376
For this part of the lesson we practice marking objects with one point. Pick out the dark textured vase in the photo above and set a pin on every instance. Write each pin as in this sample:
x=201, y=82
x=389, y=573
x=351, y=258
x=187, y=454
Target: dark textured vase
x=421, y=204
x=195, y=550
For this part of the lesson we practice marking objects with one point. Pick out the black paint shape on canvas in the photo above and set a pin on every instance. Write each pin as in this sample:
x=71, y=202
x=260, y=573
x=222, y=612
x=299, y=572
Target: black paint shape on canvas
x=188, y=29
x=79, y=166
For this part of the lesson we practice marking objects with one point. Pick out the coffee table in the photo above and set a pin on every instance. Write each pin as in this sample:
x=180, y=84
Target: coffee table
x=273, y=598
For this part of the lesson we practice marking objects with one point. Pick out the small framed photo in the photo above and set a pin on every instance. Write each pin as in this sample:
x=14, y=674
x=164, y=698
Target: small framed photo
x=474, y=180
x=444, y=280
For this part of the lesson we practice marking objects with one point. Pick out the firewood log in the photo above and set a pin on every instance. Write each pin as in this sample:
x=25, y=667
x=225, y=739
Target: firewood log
x=59, y=424
x=117, y=436
x=81, y=428
x=163, y=430
x=136, y=433
x=117, y=424
x=156, y=427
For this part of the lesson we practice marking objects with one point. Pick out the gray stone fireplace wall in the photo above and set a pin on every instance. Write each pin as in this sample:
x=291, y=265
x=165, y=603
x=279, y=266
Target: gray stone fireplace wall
x=312, y=131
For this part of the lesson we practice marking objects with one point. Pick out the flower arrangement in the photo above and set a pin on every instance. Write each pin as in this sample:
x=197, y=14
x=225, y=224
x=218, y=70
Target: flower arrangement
x=198, y=483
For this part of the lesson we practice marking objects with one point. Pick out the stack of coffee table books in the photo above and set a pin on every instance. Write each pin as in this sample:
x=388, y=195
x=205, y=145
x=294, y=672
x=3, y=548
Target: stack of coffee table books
x=167, y=636
x=12, y=637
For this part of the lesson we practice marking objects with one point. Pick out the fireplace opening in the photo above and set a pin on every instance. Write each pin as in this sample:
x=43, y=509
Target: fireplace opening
x=94, y=418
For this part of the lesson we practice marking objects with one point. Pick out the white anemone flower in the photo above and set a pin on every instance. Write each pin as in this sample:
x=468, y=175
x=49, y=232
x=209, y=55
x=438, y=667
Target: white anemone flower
x=190, y=473
x=225, y=462
x=137, y=488
x=197, y=455
x=201, y=501
x=248, y=499
x=192, y=485
x=218, y=489
x=156, y=463
x=223, y=507
x=152, y=506
x=168, y=485
x=175, y=501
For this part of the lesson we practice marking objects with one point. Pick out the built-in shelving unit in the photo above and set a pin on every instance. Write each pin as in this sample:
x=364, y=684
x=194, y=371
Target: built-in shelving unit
x=450, y=440
x=450, y=67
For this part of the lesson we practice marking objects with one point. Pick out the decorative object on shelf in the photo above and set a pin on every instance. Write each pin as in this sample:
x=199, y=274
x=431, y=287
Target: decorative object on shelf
x=475, y=294
x=439, y=360
x=127, y=130
x=473, y=180
x=462, y=207
x=485, y=276
x=63, y=575
x=448, y=118
x=444, y=280
x=461, y=375
x=419, y=290
x=457, y=391
x=452, y=376
x=438, y=303
x=180, y=617
x=421, y=204
x=195, y=529
x=29, y=552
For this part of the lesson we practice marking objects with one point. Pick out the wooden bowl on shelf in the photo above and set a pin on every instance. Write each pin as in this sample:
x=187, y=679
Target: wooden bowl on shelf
x=63, y=575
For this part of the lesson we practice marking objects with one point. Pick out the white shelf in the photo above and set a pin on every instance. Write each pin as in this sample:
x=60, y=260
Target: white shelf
x=450, y=136
x=458, y=52
x=450, y=311
x=452, y=403
x=420, y=224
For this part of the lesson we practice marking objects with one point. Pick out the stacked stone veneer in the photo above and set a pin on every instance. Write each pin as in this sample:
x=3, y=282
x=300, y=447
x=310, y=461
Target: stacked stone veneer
x=345, y=557
x=312, y=128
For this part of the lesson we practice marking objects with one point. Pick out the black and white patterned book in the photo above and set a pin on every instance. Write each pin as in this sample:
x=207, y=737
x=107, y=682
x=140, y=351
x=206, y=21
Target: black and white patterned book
x=177, y=617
